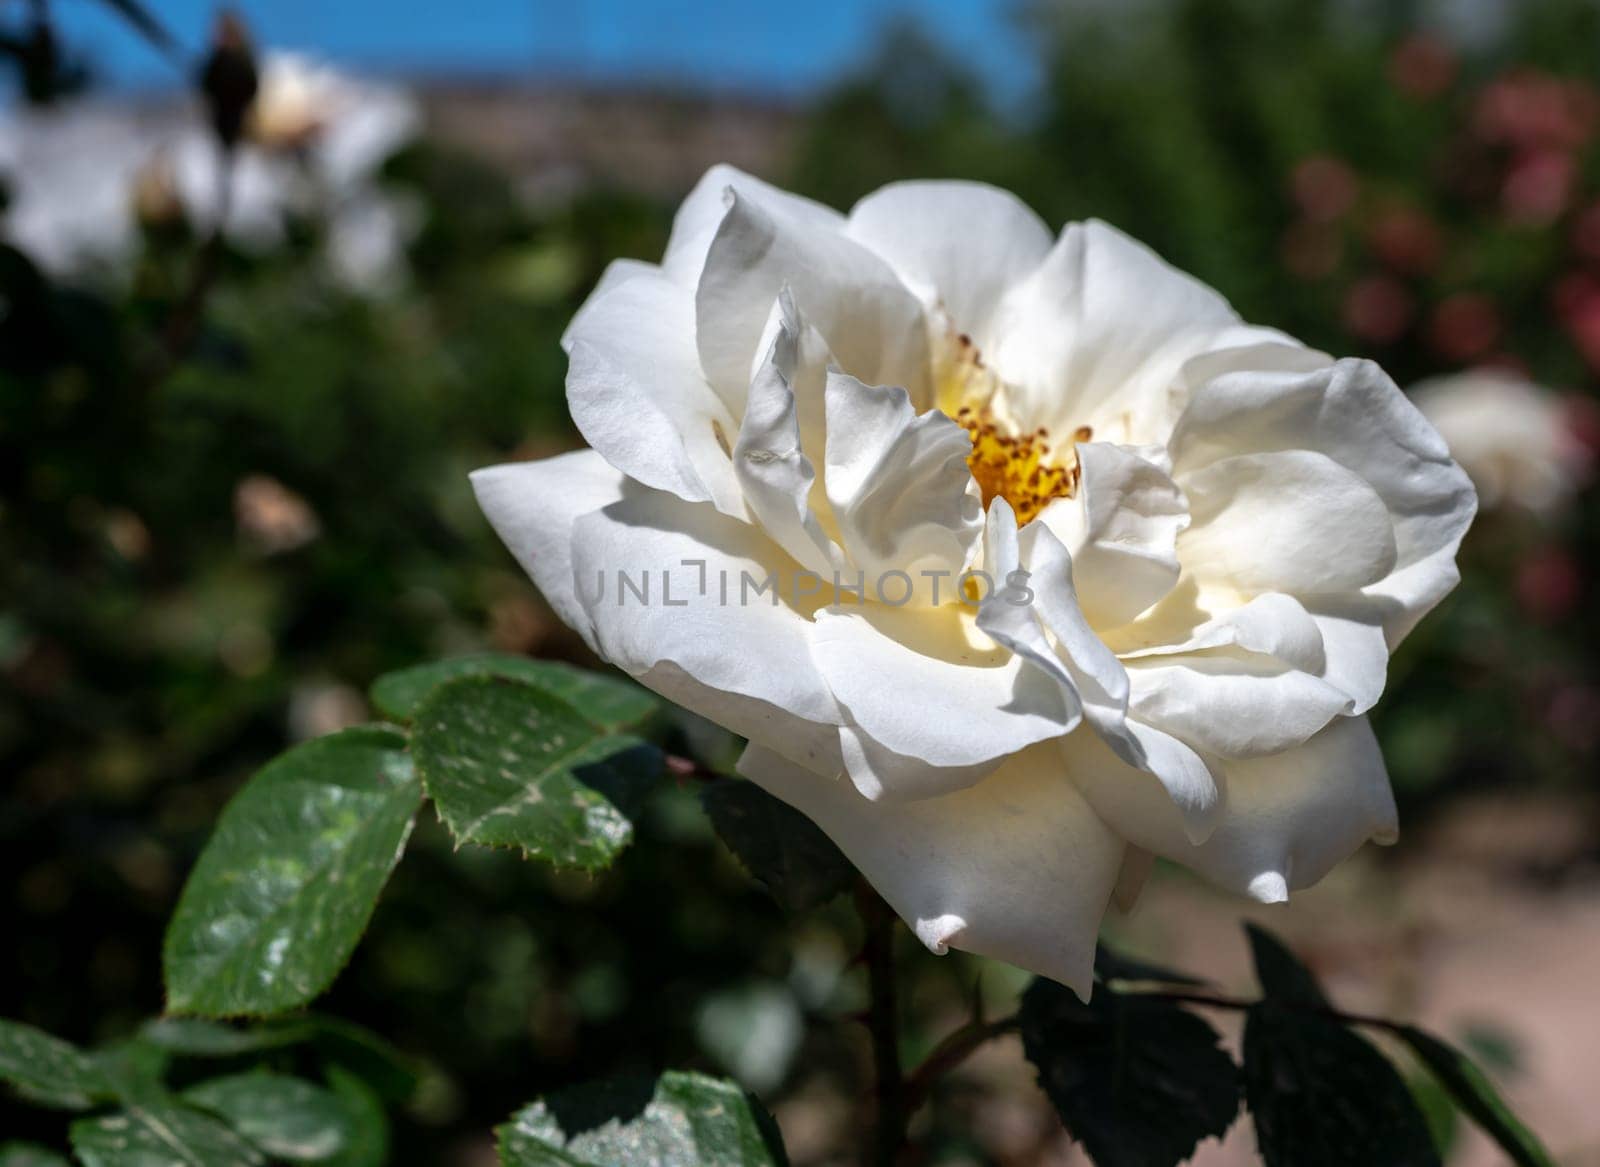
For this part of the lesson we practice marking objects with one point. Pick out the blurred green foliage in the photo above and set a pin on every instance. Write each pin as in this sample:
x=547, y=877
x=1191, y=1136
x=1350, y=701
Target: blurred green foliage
x=196, y=568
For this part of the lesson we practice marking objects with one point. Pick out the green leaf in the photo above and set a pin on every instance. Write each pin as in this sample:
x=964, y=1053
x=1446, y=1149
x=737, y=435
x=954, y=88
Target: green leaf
x=369, y=1125
x=1322, y=1096
x=198, y=1038
x=30, y=1155
x=788, y=853
x=1281, y=974
x=510, y=765
x=163, y=1134
x=286, y=1117
x=1138, y=1081
x=1110, y=965
x=675, y=1120
x=1476, y=1095
x=337, y=1042
x=136, y=1069
x=344, y=1044
x=286, y=885
x=49, y=1071
x=610, y=703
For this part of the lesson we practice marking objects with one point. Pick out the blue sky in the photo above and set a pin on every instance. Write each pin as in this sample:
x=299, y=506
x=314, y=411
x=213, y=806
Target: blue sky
x=758, y=45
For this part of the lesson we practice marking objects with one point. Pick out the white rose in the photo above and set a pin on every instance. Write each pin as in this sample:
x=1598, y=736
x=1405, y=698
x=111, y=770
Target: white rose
x=1226, y=532
x=77, y=170
x=1512, y=437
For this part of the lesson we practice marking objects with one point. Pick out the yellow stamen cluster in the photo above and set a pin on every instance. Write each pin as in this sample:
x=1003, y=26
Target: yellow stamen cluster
x=1019, y=468
x=1022, y=468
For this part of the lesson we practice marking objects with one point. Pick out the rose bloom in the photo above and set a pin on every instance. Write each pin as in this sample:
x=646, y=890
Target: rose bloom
x=1198, y=543
x=1513, y=437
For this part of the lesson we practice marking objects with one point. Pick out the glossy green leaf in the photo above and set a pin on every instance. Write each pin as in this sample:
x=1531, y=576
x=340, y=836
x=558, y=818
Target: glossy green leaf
x=675, y=1120
x=1322, y=1096
x=1138, y=1081
x=285, y=887
x=509, y=765
x=611, y=703
x=1476, y=1095
x=30, y=1155
x=286, y=1117
x=163, y=1134
x=785, y=851
x=49, y=1071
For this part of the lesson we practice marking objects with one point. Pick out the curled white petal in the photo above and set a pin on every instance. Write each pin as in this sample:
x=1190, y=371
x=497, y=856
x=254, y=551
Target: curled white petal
x=1019, y=868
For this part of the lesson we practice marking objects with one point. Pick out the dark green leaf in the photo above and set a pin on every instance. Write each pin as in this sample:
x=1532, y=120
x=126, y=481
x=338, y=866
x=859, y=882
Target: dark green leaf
x=513, y=766
x=676, y=1120
x=369, y=1125
x=198, y=1038
x=30, y=1155
x=338, y=1042
x=49, y=1071
x=287, y=883
x=779, y=846
x=165, y=1134
x=344, y=1044
x=1282, y=976
x=135, y=1068
x=1438, y=1111
x=1138, y=1081
x=610, y=703
x=286, y=1117
x=1110, y=965
x=1322, y=1096
x=1476, y=1095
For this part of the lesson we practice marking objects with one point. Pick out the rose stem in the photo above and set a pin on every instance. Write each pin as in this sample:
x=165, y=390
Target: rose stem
x=883, y=1022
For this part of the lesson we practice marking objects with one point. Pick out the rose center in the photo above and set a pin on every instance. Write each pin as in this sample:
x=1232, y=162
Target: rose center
x=1020, y=468
x=1007, y=461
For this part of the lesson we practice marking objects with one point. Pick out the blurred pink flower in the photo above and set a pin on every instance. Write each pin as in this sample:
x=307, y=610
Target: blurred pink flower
x=1582, y=415
x=1586, y=232
x=1528, y=110
x=1464, y=326
x=1406, y=240
x=1324, y=188
x=1538, y=187
x=1422, y=66
x=1378, y=309
x=1577, y=301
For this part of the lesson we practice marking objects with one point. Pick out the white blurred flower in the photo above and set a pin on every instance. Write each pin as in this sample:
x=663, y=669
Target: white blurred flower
x=1200, y=542
x=316, y=140
x=73, y=172
x=1511, y=436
